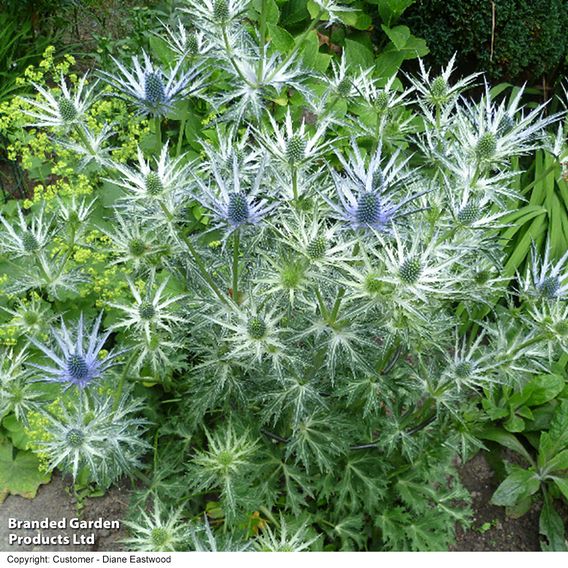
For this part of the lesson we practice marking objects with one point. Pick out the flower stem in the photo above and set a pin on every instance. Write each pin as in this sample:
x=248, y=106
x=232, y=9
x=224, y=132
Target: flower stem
x=236, y=243
x=158, y=130
x=120, y=389
x=196, y=257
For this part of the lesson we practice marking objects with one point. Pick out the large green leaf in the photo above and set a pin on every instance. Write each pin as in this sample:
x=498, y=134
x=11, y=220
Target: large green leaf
x=19, y=473
x=520, y=484
x=391, y=10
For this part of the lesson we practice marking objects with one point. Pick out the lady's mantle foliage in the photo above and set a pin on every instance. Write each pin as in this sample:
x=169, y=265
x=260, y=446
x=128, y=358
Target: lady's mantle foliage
x=286, y=287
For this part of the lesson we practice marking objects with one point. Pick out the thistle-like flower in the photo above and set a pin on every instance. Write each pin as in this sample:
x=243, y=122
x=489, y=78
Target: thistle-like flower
x=253, y=335
x=438, y=91
x=135, y=243
x=77, y=359
x=17, y=394
x=153, y=90
x=217, y=14
x=232, y=206
x=285, y=538
x=147, y=185
x=365, y=191
x=96, y=435
x=29, y=317
x=185, y=43
x=149, y=313
x=489, y=133
x=294, y=147
x=65, y=110
x=28, y=238
x=161, y=530
x=543, y=278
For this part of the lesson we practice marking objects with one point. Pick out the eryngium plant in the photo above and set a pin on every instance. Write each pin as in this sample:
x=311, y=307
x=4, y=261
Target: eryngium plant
x=302, y=353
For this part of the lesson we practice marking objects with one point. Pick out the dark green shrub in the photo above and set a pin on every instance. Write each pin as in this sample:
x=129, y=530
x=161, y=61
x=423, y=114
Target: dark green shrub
x=527, y=41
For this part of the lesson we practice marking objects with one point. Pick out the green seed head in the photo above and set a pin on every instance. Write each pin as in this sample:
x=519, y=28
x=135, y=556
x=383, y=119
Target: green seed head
x=295, y=149
x=439, y=90
x=29, y=242
x=463, y=369
x=146, y=310
x=256, y=327
x=373, y=284
x=137, y=247
x=67, y=110
x=316, y=248
x=410, y=270
x=486, y=146
x=221, y=11
x=159, y=537
x=75, y=438
x=382, y=101
x=550, y=286
x=225, y=458
x=481, y=277
x=191, y=44
x=469, y=214
x=292, y=275
x=154, y=185
x=344, y=87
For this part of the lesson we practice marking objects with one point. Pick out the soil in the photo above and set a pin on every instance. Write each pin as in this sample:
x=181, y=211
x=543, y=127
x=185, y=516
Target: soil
x=491, y=529
x=56, y=502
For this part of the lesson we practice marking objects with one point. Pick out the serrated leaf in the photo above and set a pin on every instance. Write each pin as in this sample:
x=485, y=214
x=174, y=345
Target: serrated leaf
x=543, y=388
x=281, y=39
x=19, y=473
x=391, y=10
x=399, y=35
x=358, y=55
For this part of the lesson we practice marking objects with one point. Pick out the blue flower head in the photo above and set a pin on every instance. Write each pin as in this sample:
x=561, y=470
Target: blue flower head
x=366, y=191
x=77, y=360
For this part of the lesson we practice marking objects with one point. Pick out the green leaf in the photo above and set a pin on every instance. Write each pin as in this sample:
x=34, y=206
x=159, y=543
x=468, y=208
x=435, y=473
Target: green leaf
x=391, y=10
x=520, y=484
x=552, y=527
x=562, y=484
x=399, y=35
x=514, y=423
x=19, y=474
x=558, y=462
x=559, y=423
x=543, y=388
x=358, y=55
x=505, y=439
x=281, y=39
x=16, y=432
x=272, y=12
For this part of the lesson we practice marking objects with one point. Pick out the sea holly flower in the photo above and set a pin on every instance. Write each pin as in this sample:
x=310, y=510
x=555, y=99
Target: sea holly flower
x=99, y=435
x=252, y=334
x=186, y=43
x=365, y=191
x=77, y=358
x=544, y=279
x=437, y=90
x=147, y=184
x=18, y=394
x=294, y=147
x=232, y=205
x=64, y=111
x=149, y=313
x=91, y=146
x=285, y=537
x=161, y=530
x=28, y=238
x=215, y=14
x=153, y=90
x=489, y=133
